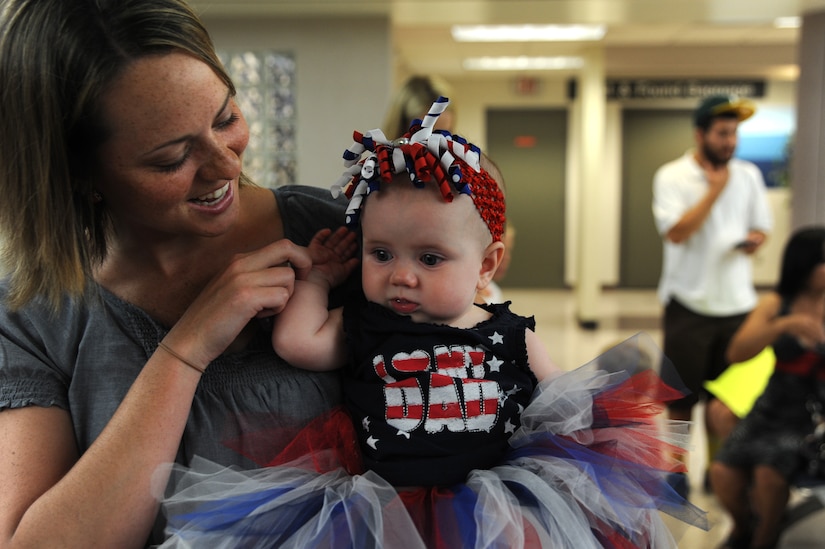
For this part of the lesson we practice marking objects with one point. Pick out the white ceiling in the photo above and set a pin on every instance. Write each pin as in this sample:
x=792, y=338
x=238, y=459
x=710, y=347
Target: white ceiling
x=709, y=38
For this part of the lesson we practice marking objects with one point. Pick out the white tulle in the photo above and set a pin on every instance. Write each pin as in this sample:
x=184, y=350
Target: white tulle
x=584, y=472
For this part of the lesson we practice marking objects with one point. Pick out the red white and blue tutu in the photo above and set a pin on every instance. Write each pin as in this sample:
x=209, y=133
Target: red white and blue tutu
x=587, y=468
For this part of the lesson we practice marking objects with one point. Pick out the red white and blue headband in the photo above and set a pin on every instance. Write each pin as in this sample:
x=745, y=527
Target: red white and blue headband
x=424, y=154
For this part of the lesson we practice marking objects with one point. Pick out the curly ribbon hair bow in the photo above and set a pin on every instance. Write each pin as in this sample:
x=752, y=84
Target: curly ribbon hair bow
x=425, y=155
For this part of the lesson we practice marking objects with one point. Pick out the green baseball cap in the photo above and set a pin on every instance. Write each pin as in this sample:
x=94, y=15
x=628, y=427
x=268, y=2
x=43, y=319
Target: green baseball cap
x=716, y=105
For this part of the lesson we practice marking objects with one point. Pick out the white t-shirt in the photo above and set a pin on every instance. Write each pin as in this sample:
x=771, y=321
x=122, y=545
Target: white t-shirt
x=706, y=272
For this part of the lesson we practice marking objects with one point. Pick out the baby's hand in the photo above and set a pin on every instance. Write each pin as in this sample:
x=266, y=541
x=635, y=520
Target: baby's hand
x=333, y=254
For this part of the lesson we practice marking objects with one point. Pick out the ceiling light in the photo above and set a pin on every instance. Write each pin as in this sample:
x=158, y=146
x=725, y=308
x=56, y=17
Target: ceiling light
x=787, y=22
x=522, y=63
x=526, y=33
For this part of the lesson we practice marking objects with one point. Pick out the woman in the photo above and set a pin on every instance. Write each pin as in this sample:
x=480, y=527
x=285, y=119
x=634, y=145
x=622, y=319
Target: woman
x=752, y=472
x=143, y=267
x=412, y=100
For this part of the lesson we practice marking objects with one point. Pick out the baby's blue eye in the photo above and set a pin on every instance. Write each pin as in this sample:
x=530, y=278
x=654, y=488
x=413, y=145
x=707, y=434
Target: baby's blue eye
x=382, y=255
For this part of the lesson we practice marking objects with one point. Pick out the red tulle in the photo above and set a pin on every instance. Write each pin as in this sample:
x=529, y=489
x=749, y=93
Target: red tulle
x=329, y=441
x=433, y=513
x=630, y=410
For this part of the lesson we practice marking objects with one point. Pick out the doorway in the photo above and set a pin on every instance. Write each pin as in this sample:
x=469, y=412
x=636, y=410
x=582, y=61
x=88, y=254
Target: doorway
x=529, y=146
x=650, y=138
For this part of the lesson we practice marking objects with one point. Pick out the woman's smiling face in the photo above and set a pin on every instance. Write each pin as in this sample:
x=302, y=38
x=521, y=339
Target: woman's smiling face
x=173, y=157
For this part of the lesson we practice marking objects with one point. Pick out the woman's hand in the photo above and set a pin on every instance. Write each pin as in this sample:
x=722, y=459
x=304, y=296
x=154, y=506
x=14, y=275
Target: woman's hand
x=808, y=330
x=53, y=496
x=254, y=285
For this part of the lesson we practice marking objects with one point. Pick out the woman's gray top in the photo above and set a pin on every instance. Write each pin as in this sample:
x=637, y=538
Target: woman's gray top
x=85, y=357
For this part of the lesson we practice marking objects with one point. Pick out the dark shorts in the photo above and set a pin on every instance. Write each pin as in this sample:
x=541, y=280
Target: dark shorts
x=696, y=345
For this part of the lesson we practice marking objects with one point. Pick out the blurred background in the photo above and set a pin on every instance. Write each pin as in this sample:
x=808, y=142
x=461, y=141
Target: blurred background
x=578, y=125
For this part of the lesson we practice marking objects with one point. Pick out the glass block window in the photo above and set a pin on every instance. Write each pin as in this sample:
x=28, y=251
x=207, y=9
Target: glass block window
x=265, y=81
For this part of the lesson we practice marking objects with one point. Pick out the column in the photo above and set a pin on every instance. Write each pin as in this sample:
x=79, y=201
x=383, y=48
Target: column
x=808, y=162
x=591, y=162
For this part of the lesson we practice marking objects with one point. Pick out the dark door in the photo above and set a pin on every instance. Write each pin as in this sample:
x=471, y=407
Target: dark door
x=649, y=139
x=529, y=146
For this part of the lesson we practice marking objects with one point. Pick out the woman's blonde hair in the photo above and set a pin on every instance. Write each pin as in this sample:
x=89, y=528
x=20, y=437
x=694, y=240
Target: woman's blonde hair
x=57, y=59
x=412, y=101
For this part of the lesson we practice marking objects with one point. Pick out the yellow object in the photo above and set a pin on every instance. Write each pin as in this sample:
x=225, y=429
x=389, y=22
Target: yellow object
x=741, y=384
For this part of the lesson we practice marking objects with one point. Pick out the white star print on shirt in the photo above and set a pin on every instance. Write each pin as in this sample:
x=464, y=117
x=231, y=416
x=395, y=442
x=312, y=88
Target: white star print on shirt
x=495, y=364
x=497, y=338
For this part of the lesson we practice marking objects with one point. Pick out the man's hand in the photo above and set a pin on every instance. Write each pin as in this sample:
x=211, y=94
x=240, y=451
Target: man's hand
x=717, y=176
x=752, y=243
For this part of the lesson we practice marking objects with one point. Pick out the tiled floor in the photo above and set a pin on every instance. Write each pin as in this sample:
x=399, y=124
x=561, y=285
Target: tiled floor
x=623, y=313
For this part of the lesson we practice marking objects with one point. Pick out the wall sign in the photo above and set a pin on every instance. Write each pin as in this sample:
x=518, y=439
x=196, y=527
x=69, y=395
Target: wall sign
x=643, y=88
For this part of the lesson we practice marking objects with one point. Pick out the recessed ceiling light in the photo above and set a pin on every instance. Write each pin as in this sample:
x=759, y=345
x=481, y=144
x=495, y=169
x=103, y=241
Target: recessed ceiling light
x=787, y=22
x=527, y=33
x=523, y=63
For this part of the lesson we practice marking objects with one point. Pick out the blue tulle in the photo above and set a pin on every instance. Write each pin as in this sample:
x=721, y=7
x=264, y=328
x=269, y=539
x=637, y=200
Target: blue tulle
x=239, y=513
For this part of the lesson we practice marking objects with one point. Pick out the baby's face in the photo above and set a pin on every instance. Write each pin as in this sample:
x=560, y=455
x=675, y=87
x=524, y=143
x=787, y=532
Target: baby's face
x=421, y=255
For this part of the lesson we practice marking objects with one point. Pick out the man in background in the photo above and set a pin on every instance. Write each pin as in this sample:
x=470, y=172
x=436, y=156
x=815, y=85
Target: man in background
x=712, y=212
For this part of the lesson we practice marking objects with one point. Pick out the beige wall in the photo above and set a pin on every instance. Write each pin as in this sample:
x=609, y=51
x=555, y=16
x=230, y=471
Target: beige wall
x=342, y=80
